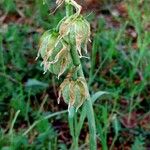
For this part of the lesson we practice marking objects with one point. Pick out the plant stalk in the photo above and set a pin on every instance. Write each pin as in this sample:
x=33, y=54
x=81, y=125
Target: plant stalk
x=88, y=103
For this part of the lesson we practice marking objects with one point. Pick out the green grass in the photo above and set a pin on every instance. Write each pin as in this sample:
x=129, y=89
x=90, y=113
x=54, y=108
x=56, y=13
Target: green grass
x=119, y=64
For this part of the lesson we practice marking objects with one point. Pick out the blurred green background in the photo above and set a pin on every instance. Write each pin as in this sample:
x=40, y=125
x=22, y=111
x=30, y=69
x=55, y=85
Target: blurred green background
x=119, y=64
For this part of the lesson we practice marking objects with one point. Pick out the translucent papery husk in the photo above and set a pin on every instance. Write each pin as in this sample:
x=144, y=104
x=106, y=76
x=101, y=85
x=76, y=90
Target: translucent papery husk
x=47, y=43
x=79, y=28
x=64, y=91
x=60, y=62
x=74, y=93
x=82, y=36
x=83, y=90
x=55, y=54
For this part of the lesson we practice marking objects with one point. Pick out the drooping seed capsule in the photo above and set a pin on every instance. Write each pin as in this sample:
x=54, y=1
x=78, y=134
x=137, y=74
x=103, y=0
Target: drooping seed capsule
x=47, y=43
x=60, y=61
x=79, y=28
x=74, y=93
x=55, y=53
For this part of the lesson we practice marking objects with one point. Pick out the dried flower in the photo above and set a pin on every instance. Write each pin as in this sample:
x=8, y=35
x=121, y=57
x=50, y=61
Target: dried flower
x=78, y=27
x=74, y=93
x=55, y=53
x=60, y=62
x=47, y=43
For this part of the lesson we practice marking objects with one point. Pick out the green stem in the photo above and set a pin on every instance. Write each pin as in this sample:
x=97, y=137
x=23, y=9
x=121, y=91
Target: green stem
x=72, y=125
x=13, y=122
x=88, y=103
x=74, y=146
x=69, y=9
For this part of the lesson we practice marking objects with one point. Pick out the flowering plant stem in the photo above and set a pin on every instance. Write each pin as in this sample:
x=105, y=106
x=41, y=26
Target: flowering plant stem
x=88, y=108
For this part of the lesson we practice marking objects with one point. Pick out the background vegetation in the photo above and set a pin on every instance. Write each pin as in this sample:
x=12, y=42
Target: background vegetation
x=30, y=117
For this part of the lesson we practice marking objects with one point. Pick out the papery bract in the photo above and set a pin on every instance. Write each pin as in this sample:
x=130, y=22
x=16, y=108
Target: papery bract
x=73, y=92
x=78, y=27
x=55, y=53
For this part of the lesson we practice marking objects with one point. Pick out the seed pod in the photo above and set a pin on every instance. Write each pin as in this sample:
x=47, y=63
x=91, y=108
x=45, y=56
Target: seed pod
x=55, y=53
x=60, y=62
x=47, y=43
x=74, y=93
x=79, y=28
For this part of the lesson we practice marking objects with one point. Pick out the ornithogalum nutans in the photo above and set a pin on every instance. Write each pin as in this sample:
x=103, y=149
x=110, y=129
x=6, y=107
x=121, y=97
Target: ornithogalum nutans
x=54, y=52
x=73, y=92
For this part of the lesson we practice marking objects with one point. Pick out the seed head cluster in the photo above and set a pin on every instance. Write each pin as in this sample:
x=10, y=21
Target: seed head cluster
x=54, y=49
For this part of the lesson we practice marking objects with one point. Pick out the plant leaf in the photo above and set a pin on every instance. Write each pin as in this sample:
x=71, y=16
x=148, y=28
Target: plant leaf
x=31, y=83
x=97, y=95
